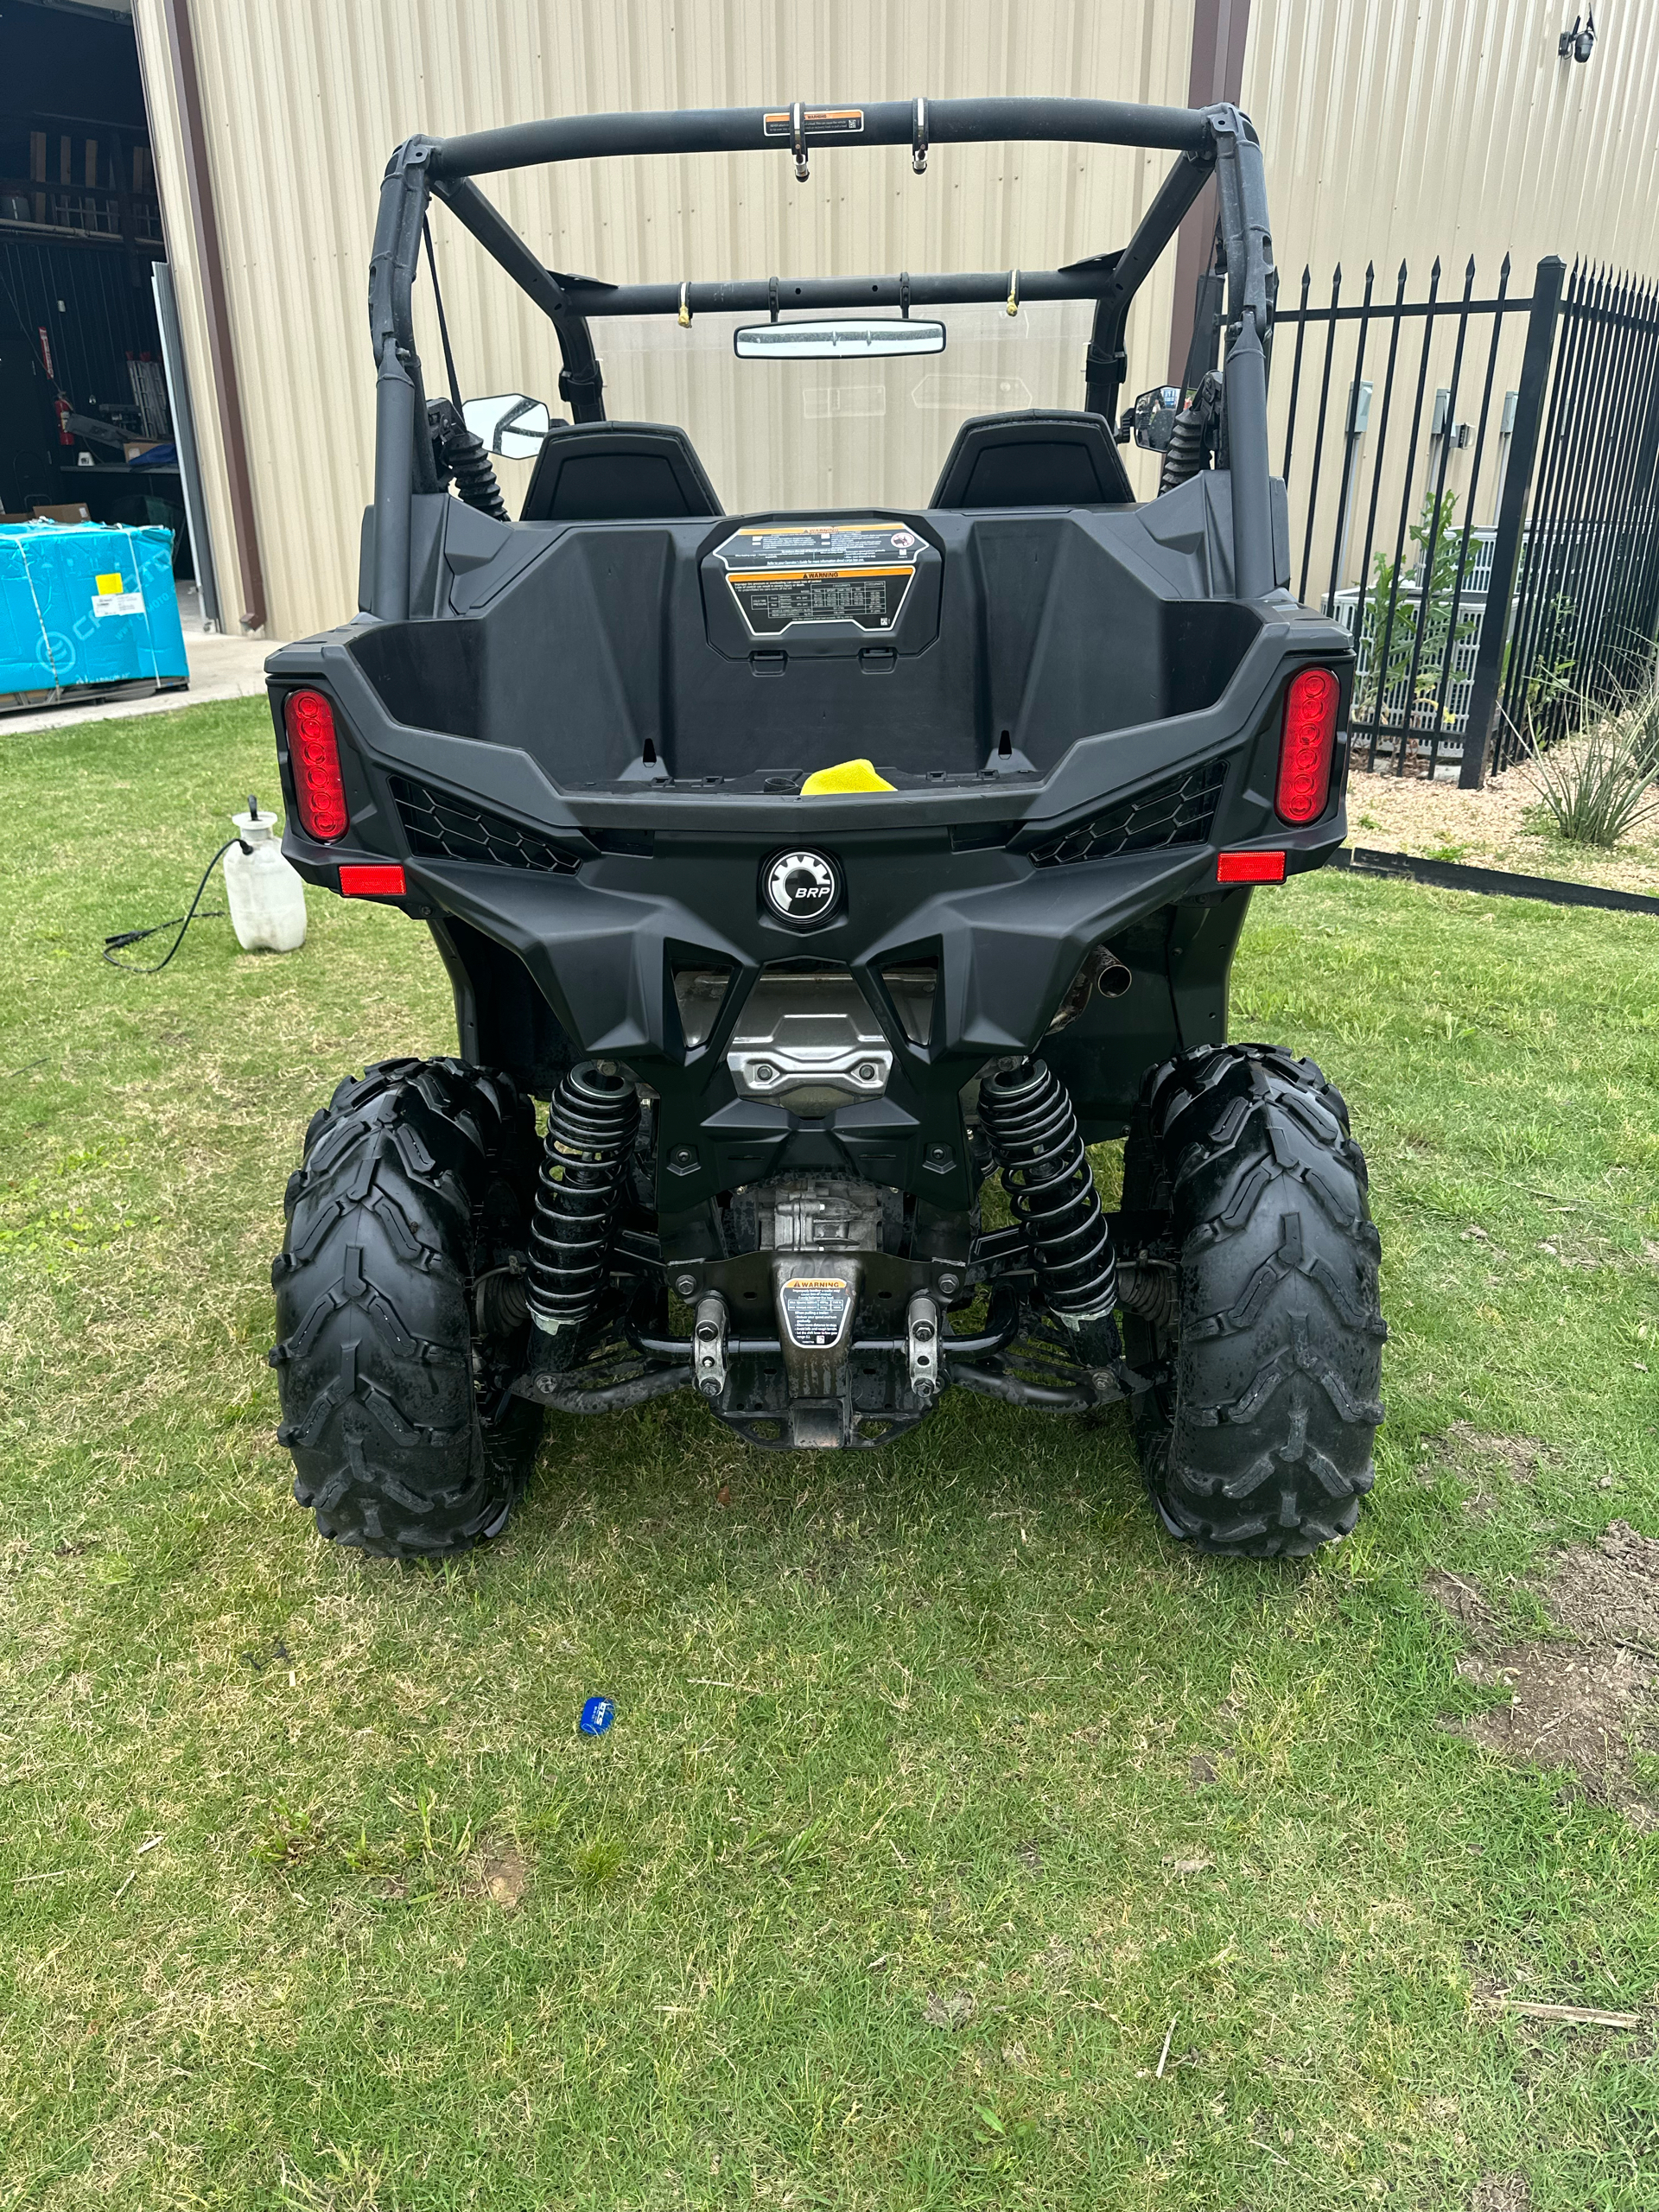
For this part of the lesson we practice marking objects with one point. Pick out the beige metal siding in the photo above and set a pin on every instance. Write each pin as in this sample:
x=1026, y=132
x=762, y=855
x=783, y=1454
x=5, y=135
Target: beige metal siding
x=1397, y=131
x=304, y=101
x=1401, y=133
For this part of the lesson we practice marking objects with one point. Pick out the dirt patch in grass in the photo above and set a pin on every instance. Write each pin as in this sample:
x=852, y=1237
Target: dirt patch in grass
x=1501, y=2193
x=1497, y=1465
x=504, y=1875
x=1500, y=826
x=1579, y=1702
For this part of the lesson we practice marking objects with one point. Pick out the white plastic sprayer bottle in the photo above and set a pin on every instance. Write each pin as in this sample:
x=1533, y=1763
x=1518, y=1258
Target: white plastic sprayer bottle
x=266, y=898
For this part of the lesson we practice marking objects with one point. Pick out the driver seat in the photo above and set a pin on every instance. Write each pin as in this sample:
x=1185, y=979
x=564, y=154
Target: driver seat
x=617, y=472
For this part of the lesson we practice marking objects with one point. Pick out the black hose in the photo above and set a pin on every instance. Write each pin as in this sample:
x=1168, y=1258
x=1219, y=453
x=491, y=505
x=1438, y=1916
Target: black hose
x=181, y=922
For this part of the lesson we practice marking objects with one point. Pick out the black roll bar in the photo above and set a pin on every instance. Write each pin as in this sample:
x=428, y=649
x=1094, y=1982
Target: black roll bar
x=1215, y=140
x=885, y=123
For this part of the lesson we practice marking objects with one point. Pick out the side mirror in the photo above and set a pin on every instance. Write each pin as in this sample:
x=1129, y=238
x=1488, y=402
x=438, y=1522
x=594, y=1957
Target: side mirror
x=510, y=423
x=1155, y=417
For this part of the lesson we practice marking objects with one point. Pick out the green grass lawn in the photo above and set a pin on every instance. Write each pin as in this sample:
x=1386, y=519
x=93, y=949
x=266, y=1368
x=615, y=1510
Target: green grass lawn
x=942, y=1789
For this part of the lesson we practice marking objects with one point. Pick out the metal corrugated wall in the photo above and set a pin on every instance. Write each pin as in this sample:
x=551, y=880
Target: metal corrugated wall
x=304, y=102
x=1401, y=133
x=1391, y=129
x=1395, y=130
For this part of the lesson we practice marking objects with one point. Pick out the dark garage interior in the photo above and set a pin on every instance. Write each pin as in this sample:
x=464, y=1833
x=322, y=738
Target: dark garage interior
x=85, y=414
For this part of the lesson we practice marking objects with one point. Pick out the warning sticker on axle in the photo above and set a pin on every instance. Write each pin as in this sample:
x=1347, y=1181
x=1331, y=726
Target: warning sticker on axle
x=855, y=572
x=815, y=1310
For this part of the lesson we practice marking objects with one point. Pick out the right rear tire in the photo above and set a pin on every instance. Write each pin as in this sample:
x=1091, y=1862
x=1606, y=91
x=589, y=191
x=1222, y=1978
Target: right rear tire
x=1255, y=1438
x=393, y=1370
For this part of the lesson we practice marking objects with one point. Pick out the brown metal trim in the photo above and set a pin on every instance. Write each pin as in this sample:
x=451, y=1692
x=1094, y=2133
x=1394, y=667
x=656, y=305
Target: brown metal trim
x=1219, y=30
x=226, y=390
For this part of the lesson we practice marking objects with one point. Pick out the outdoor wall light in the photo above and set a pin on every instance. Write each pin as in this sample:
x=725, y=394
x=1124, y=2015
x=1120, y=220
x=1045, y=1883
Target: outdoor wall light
x=1580, y=40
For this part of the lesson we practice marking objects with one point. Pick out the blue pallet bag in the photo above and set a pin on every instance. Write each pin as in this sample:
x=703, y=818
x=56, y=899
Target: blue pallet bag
x=123, y=579
x=25, y=651
x=103, y=603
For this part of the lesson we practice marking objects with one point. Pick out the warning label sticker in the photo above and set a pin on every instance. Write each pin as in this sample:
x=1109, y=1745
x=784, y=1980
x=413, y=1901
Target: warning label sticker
x=815, y=1310
x=819, y=122
x=855, y=572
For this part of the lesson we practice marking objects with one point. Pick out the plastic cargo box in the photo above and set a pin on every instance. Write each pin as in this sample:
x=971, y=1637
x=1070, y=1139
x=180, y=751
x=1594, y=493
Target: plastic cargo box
x=87, y=604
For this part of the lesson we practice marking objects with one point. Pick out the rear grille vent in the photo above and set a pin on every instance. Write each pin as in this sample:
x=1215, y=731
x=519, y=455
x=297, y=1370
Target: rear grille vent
x=442, y=828
x=1177, y=812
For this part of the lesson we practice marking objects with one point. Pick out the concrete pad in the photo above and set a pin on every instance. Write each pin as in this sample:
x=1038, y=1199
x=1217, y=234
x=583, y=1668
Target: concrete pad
x=220, y=668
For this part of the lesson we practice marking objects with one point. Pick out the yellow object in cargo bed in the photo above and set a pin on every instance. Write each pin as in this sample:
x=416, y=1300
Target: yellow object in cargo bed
x=845, y=776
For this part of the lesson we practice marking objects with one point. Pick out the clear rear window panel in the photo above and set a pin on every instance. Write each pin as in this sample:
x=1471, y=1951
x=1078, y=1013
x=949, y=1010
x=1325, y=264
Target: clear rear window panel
x=807, y=435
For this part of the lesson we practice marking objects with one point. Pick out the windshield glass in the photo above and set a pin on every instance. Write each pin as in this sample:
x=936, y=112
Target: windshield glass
x=782, y=434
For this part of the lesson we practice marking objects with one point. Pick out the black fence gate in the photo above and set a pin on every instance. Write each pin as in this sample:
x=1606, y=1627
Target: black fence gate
x=1474, y=489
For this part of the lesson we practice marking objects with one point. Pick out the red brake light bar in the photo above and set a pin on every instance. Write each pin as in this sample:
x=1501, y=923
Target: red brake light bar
x=1306, y=745
x=314, y=757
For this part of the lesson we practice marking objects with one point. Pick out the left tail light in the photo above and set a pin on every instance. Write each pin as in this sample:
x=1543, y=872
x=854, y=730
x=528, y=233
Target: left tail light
x=313, y=756
x=1306, y=745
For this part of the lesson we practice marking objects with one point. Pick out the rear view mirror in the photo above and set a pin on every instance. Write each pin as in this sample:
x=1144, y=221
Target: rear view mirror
x=866, y=338
x=511, y=424
x=1155, y=417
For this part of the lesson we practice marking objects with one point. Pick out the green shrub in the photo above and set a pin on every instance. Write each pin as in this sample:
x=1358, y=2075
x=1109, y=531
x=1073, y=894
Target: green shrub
x=1432, y=606
x=1599, y=785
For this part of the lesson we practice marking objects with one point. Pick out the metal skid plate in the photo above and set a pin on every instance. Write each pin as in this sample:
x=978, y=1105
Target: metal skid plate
x=808, y=1040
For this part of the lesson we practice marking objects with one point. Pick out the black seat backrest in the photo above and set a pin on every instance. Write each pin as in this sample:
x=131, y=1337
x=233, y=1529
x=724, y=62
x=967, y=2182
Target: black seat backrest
x=617, y=472
x=1041, y=458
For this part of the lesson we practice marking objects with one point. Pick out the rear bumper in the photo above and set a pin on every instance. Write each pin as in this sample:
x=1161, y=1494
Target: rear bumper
x=974, y=873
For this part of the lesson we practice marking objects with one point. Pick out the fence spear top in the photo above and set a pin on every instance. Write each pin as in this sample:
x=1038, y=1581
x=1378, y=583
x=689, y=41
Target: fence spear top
x=1469, y=273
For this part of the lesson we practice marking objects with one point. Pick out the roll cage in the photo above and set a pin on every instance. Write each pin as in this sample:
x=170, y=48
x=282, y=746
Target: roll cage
x=1216, y=140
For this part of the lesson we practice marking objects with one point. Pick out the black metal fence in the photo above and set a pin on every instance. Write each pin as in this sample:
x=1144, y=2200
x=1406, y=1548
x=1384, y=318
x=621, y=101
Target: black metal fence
x=1474, y=490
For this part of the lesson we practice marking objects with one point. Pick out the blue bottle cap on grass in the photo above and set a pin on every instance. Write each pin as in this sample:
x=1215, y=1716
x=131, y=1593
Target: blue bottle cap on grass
x=596, y=1716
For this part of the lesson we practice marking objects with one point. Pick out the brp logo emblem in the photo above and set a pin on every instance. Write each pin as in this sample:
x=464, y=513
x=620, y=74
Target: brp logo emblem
x=802, y=888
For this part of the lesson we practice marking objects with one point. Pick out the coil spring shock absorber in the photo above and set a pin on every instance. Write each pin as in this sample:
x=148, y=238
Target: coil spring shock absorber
x=1027, y=1115
x=591, y=1125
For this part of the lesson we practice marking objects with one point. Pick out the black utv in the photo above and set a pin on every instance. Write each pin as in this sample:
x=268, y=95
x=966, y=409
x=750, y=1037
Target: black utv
x=816, y=865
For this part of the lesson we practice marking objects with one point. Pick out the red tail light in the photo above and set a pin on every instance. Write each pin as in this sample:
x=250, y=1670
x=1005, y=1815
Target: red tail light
x=314, y=755
x=1305, y=748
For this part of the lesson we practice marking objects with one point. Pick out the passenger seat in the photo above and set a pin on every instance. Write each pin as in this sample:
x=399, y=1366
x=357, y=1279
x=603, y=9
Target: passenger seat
x=1040, y=458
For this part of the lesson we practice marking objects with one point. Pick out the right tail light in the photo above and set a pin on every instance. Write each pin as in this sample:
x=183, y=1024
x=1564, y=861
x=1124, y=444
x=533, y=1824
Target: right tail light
x=313, y=757
x=1306, y=745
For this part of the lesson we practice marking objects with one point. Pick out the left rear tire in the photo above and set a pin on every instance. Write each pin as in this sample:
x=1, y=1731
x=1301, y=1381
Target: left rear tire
x=395, y=1346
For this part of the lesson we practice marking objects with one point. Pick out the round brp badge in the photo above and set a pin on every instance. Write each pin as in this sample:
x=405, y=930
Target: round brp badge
x=596, y=1716
x=802, y=888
